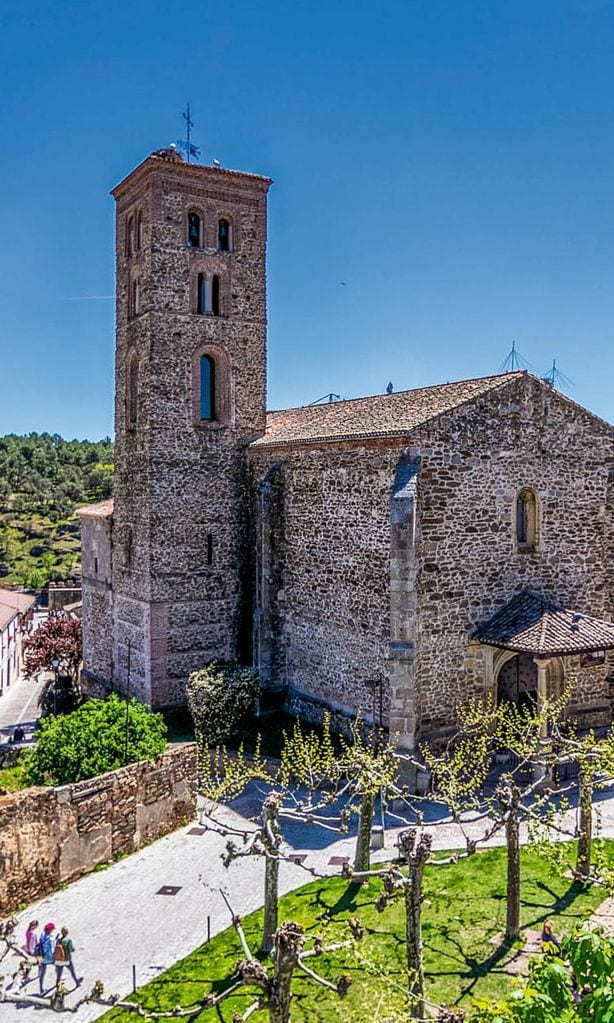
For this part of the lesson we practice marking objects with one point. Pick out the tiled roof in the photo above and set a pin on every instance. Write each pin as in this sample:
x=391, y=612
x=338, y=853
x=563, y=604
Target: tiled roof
x=101, y=510
x=175, y=160
x=383, y=415
x=529, y=624
x=13, y=603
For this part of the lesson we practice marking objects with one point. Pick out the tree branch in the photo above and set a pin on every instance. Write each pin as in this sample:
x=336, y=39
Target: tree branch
x=236, y=923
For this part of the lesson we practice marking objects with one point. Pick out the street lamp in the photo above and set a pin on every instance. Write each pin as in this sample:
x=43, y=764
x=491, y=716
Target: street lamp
x=55, y=664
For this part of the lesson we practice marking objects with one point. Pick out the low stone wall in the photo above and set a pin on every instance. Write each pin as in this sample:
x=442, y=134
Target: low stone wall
x=10, y=754
x=49, y=836
x=61, y=596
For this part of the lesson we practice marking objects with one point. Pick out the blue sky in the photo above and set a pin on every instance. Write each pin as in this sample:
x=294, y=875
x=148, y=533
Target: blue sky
x=450, y=160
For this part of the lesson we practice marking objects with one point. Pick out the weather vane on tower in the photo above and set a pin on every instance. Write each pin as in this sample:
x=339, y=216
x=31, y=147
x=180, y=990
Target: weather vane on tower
x=186, y=144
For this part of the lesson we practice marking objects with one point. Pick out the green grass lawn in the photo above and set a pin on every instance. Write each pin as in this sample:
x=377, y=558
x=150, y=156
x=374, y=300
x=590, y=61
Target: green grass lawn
x=463, y=910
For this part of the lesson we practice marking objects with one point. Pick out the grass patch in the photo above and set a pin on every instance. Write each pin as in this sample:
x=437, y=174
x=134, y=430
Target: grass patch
x=12, y=778
x=268, y=730
x=464, y=909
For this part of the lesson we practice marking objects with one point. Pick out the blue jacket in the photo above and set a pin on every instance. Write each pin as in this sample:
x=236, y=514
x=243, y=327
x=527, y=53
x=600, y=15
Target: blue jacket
x=47, y=948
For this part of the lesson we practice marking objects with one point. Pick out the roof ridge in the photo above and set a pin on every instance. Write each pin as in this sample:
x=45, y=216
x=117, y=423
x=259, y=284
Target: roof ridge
x=410, y=390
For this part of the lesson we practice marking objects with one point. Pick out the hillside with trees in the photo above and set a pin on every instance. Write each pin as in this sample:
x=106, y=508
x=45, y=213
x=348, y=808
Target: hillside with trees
x=43, y=478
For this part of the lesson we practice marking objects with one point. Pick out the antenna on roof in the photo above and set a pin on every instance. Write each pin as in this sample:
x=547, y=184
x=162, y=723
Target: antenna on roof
x=513, y=361
x=326, y=398
x=186, y=144
x=556, y=378
x=390, y=387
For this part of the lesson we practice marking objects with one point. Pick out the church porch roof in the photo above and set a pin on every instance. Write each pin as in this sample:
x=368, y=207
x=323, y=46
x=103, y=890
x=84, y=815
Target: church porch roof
x=530, y=624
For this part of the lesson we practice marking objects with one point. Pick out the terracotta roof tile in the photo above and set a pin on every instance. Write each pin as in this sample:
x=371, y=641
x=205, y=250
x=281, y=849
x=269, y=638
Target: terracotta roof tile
x=382, y=415
x=529, y=624
x=13, y=603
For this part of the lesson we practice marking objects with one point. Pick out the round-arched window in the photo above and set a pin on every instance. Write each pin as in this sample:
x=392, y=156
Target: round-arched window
x=223, y=235
x=194, y=230
x=132, y=390
x=527, y=523
x=207, y=387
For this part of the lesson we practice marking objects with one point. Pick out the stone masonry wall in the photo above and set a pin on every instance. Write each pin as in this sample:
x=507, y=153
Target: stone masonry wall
x=354, y=583
x=49, y=836
x=179, y=528
x=473, y=466
x=97, y=595
x=325, y=553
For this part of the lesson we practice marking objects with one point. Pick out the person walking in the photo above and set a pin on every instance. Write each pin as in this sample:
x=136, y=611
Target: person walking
x=31, y=938
x=63, y=956
x=549, y=937
x=44, y=951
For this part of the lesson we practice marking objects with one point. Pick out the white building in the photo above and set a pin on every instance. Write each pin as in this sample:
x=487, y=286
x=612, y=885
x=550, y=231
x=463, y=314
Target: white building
x=15, y=610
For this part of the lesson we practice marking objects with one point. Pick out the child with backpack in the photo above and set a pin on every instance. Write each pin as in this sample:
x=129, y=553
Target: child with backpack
x=62, y=957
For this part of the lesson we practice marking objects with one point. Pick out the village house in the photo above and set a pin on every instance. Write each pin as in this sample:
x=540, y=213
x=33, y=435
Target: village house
x=15, y=613
x=397, y=553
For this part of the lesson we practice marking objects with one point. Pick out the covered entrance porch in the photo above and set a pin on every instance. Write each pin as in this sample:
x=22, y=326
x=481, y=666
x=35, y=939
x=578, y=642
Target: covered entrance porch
x=532, y=641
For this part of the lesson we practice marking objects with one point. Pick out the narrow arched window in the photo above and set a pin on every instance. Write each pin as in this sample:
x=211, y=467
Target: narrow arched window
x=194, y=230
x=526, y=520
x=132, y=390
x=223, y=236
x=139, y=231
x=201, y=294
x=207, y=387
x=130, y=236
x=134, y=298
x=215, y=295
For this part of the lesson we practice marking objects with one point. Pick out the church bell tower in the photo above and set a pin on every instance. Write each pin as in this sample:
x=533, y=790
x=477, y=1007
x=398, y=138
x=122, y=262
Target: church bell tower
x=190, y=395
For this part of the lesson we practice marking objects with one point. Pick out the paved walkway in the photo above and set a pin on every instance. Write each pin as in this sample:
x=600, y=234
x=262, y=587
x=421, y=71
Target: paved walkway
x=604, y=916
x=19, y=706
x=118, y=916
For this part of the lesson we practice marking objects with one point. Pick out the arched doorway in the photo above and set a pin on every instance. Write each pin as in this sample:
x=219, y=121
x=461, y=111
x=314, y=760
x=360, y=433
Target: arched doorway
x=515, y=678
x=517, y=681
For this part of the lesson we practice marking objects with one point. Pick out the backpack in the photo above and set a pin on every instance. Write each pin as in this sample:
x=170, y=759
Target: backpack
x=59, y=953
x=38, y=951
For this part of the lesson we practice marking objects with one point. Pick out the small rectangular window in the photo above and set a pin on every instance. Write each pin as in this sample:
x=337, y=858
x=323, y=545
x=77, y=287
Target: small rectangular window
x=209, y=548
x=95, y=566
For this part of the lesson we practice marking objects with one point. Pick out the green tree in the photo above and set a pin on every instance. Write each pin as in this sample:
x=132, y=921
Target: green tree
x=59, y=638
x=100, y=736
x=34, y=580
x=548, y=995
x=47, y=561
x=219, y=697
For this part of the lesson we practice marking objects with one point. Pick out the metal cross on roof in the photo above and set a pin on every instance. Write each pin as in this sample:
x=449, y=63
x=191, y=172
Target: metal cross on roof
x=186, y=144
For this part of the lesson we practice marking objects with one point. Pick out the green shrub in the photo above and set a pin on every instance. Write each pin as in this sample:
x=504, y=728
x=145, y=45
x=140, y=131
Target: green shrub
x=92, y=740
x=219, y=698
x=550, y=996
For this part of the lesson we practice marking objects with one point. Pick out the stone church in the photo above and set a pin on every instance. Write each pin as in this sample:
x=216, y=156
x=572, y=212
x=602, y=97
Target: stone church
x=397, y=553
